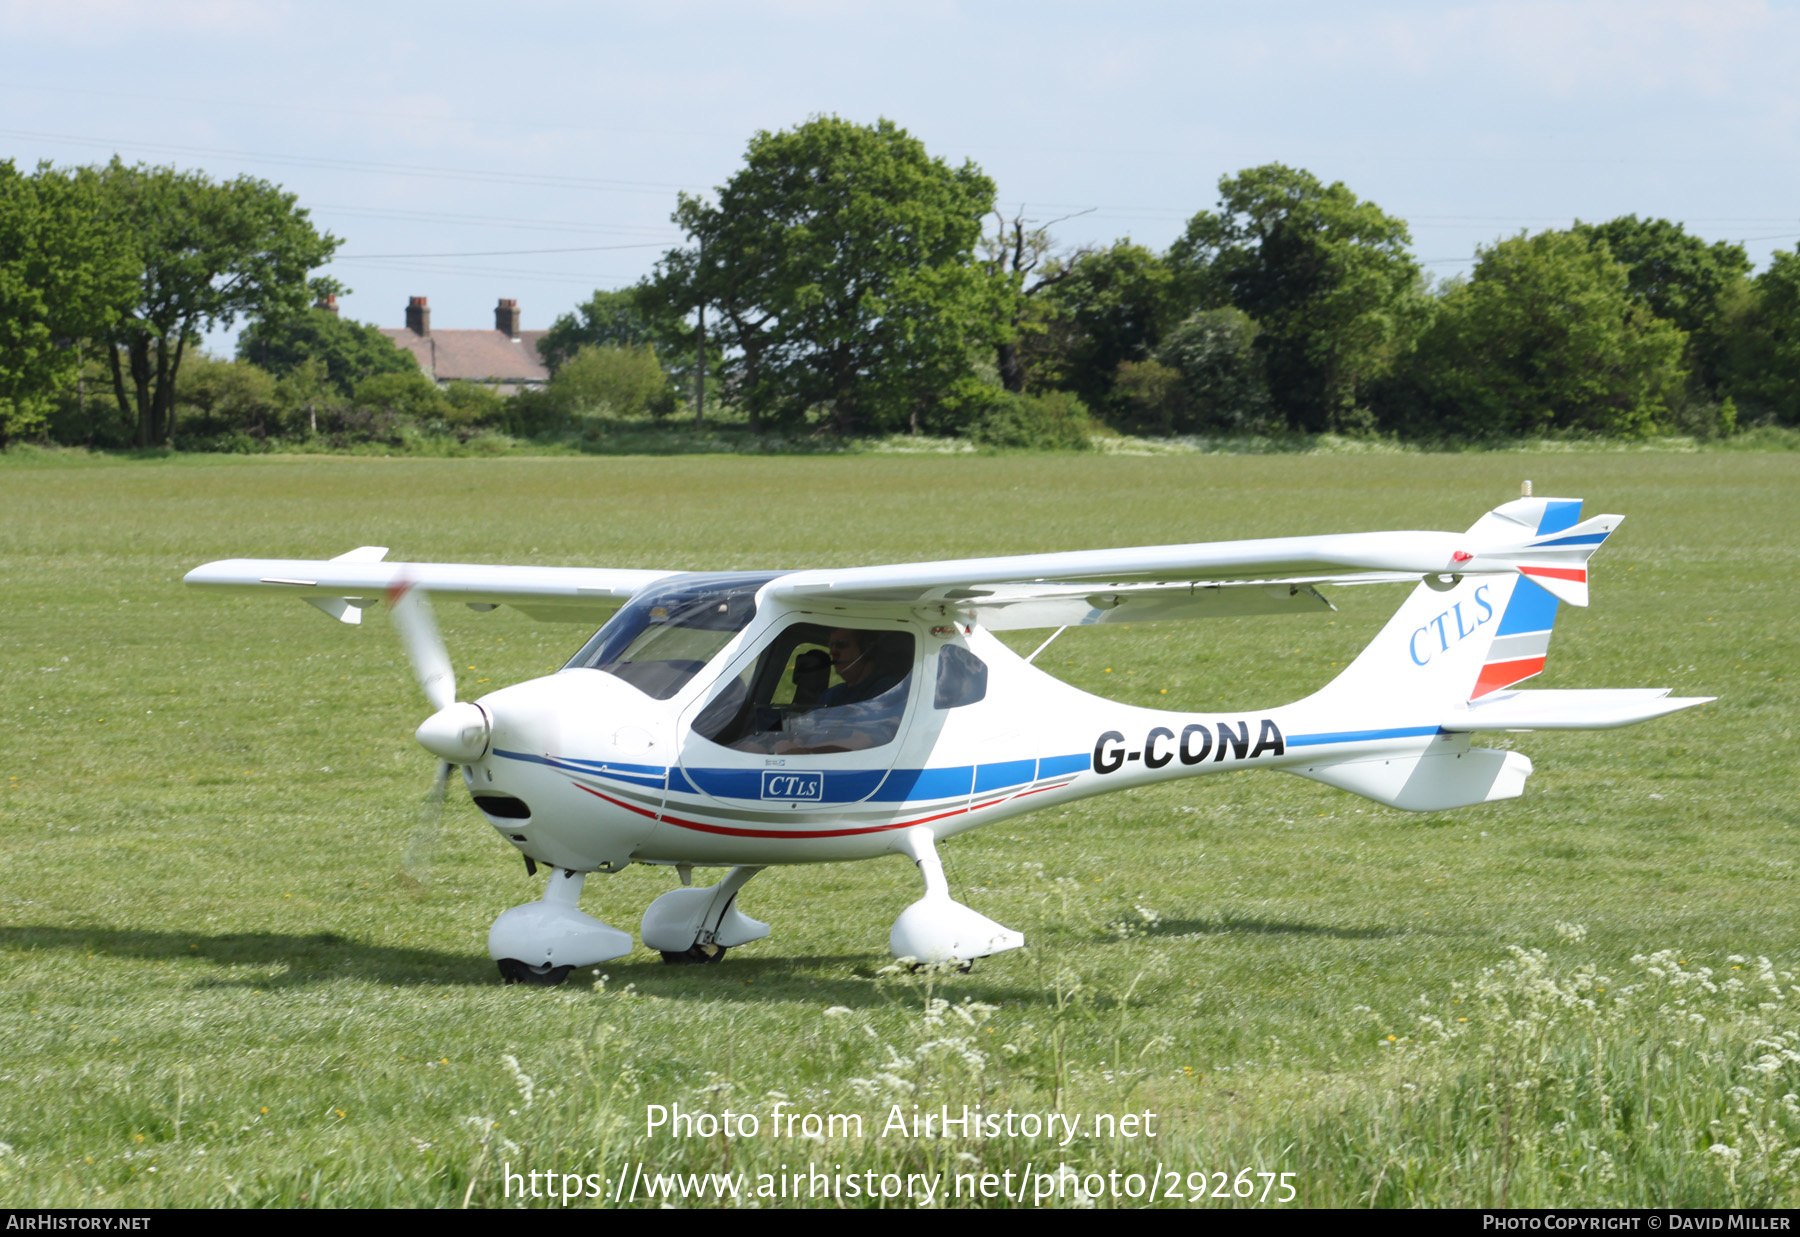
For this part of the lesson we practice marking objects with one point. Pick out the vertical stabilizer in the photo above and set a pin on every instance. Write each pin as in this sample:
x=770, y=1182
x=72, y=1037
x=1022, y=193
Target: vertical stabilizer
x=1460, y=638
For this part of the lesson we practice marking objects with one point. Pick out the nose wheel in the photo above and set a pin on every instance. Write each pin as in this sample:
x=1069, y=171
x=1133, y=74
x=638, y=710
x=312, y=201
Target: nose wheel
x=697, y=955
x=553, y=934
x=514, y=971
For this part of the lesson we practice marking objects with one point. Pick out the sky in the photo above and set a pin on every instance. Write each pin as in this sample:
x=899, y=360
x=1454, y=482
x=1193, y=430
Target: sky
x=469, y=152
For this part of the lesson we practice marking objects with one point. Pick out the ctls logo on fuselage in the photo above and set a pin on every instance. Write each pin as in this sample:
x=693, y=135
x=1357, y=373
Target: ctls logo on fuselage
x=1193, y=745
x=777, y=784
x=1450, y=627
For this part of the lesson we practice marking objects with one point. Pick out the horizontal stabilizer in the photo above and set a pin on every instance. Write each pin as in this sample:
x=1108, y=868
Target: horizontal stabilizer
x=1554, y=555
x=1557, y=562
x=1602, y=709
x=1447, y=774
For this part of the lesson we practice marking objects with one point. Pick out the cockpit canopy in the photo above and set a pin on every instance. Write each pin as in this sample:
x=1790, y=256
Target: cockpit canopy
x=660, y=639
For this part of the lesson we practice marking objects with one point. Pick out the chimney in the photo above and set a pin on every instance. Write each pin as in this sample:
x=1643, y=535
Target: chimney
x=418, y=316
x=328, y=303
x=506, y=317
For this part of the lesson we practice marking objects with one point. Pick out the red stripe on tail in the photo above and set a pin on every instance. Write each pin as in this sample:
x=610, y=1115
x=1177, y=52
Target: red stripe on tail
x=1498, y=674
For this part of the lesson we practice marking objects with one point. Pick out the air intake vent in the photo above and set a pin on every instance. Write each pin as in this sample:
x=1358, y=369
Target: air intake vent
x=504, y=806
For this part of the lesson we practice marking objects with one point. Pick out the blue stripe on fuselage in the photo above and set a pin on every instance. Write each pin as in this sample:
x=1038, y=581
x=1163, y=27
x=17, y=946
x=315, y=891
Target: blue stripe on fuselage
x=652, y=776
x=840, y=785
x=1055, y=766
x=1361, y=736
x=908, y=785
x=1006, y=773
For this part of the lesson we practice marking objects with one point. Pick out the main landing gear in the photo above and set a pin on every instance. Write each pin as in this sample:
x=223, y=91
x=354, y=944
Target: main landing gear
x=541, y=942
x=936, y=928
x=695, y=926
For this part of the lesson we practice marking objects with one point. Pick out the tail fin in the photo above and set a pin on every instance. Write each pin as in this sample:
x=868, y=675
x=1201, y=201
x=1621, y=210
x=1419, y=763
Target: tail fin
x=1461, y=638
x=1437, y=672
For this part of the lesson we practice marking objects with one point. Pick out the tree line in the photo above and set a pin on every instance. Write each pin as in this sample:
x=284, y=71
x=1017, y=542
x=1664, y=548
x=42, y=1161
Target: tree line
x=109, y=276
x=844, y=281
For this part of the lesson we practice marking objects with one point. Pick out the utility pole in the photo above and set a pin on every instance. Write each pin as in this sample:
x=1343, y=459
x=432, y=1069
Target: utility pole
x=700, y=352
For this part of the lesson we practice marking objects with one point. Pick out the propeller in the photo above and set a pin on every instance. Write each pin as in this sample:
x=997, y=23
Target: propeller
x=456, y=732
x=418, y=629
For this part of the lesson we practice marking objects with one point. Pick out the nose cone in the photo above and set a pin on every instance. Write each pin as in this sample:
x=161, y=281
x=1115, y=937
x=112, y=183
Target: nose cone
x=458, y=733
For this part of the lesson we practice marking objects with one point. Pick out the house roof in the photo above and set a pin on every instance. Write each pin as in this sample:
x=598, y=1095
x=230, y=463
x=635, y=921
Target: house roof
x=474, y=356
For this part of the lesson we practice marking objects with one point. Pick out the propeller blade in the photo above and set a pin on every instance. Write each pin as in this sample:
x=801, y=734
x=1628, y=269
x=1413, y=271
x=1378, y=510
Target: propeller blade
x=411, y=610
x=421, y=848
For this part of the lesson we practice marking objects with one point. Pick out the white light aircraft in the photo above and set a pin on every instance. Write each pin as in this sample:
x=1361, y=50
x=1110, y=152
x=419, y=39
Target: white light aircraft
x=748, y=719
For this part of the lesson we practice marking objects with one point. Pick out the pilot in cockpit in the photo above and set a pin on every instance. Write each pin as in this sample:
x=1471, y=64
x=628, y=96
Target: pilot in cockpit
x=855, y=657
x=860, y=712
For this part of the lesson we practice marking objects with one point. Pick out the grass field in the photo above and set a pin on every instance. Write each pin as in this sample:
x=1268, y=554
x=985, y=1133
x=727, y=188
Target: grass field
x=238, y=969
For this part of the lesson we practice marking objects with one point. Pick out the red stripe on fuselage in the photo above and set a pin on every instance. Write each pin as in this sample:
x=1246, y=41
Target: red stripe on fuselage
x=792, y=834
x=1556, y=573
x=1498, y=674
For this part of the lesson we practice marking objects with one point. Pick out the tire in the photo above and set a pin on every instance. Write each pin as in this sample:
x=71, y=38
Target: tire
x=695, y=955
x=962, y=966
x=513, y=971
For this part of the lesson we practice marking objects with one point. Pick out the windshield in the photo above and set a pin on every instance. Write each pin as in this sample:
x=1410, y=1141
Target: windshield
x=663, y=637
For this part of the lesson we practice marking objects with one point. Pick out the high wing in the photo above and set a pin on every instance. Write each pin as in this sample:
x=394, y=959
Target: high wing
x=342, y=586
x=1267, y=576
x=1536, y=537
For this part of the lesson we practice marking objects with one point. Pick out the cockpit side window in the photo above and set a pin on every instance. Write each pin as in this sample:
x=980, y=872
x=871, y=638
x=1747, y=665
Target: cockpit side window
x=961, y=678
x=660, y=639
x=814, y=689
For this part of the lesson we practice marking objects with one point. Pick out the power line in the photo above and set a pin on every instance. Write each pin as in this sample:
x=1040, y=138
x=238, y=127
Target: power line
x=492, y=221
x=485, y=253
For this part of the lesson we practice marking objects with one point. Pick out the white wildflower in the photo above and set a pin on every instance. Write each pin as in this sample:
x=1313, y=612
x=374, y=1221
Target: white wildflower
x=522, y=1080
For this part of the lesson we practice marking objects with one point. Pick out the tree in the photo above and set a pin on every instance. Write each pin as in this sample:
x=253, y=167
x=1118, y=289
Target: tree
x=406, y=394
x=1678, y=277
x=1222, y=384
x=1019, y=258
x=227, y=397
x=1545, y=335
x=211, y=253
x=619, y=381
x=840, y=261
x=64, y=272
x=607, y=320
x=1327, y=276
x=1111, y=309
x=350, y=351
x=1761, y=349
